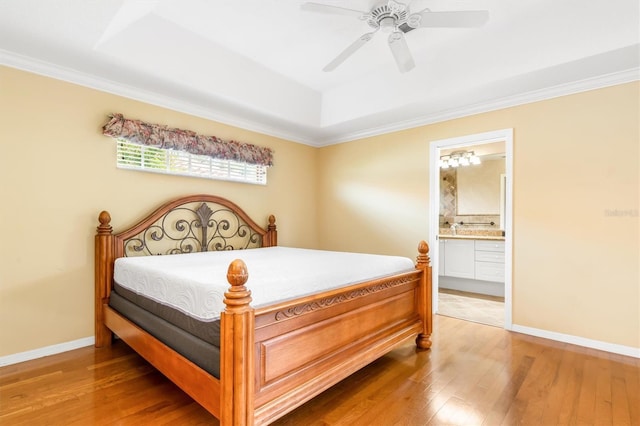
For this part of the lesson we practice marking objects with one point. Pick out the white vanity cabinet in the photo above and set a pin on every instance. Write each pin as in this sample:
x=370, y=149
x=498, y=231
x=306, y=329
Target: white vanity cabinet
x=459, y=258
x=472, y=265
x=489, y=260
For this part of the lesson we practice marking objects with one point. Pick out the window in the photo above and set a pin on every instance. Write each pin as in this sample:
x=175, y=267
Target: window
x=141, y=157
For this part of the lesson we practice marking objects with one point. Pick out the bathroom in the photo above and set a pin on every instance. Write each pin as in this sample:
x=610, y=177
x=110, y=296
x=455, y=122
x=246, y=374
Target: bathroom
x=471, y=277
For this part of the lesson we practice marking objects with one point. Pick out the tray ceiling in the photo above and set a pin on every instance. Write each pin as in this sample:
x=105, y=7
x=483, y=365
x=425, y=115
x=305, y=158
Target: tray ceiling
x=258, y=63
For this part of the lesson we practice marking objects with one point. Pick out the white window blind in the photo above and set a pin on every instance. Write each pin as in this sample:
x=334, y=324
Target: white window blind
x=158, y=160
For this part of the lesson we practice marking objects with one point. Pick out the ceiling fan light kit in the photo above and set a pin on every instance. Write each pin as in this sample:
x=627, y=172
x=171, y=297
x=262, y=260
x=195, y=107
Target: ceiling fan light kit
x=387, y=24
x=395, y=19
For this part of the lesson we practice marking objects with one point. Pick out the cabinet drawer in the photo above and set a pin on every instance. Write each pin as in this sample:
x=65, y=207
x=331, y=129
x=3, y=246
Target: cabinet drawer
x=490, y=245
x=490, y=256
x=489, y=271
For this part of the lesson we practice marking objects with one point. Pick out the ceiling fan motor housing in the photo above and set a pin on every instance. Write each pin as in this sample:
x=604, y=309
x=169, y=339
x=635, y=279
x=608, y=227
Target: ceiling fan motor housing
x=387, y=17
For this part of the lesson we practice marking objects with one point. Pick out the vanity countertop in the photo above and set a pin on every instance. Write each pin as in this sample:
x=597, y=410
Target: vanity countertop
x=470, y=237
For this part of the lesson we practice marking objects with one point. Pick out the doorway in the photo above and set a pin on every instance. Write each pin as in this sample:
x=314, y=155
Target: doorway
x=458, y=146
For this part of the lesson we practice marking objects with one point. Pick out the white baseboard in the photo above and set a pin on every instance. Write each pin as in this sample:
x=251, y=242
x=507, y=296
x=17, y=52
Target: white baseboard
x=46, y=351
x=579, y=341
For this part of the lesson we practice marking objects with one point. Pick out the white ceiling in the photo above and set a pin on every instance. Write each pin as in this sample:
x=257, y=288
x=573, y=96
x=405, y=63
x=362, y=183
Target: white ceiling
x=258, y=63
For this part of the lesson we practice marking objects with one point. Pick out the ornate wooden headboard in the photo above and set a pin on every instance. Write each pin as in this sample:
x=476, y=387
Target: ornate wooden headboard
x=191, y=224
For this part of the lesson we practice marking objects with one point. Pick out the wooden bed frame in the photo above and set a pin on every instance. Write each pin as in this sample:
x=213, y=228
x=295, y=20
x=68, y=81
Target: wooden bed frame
x=275, y=358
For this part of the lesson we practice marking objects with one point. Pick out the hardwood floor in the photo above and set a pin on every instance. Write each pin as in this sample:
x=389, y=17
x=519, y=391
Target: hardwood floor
x=474, y=375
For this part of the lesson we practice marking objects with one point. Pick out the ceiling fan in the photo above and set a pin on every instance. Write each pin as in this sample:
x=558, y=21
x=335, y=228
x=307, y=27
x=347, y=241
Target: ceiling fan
x=395, y=19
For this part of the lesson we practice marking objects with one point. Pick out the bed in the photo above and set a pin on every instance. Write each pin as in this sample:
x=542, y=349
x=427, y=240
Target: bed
x=266, y=356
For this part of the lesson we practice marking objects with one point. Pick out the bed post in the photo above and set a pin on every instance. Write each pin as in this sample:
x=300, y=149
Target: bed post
x=237, y=351
x=103, y=275
x=271, y=238
x=423, y=341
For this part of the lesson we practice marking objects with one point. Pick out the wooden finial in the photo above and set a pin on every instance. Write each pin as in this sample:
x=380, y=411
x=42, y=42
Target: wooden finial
x=238, y=297
x=104, y=218
x=423, y=256
x=237, y=274
x=271, y=239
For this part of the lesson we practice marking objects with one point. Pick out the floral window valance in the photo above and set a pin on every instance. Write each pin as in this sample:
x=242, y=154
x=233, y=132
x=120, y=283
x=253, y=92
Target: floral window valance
x=164, y=137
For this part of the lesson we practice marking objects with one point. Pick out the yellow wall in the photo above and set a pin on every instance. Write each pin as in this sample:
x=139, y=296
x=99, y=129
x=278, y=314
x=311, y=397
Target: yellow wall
x=575, y=261
x=575, y=219
x=58, y=172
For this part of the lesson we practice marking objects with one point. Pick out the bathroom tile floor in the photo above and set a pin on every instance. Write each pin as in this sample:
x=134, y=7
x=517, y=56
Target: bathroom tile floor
x=478, y=308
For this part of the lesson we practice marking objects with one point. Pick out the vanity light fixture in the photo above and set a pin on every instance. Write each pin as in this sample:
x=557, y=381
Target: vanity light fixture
x=459, y=158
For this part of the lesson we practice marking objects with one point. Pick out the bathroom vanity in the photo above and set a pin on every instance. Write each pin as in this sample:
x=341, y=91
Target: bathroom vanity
x=472, y=263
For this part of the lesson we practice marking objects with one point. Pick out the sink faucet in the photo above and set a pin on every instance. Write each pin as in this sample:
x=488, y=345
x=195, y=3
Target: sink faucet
x=454, y=227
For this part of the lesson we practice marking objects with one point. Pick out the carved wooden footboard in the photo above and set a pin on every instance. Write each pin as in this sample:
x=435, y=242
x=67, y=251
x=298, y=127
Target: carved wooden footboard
x=307, y=345
x=275, y=358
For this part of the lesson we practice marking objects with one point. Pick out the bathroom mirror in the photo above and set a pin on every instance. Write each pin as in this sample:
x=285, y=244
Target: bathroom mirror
x=474, y=193
x=478, y=187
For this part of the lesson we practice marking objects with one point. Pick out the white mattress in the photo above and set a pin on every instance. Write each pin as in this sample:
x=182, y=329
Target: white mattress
x=195, y=283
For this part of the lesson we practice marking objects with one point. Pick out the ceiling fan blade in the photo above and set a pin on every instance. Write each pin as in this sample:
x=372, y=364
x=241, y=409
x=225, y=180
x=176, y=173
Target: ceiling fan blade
x=348, y=52
x=401, y=52
x=330, y=9
x=457, y=19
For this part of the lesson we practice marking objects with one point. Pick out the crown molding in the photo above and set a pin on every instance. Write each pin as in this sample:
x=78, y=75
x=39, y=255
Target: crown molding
x=80, y=78
x=306, y=137
x=584, y=85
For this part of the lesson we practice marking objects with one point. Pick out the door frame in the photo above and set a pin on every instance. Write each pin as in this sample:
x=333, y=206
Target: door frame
x=435, y=147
